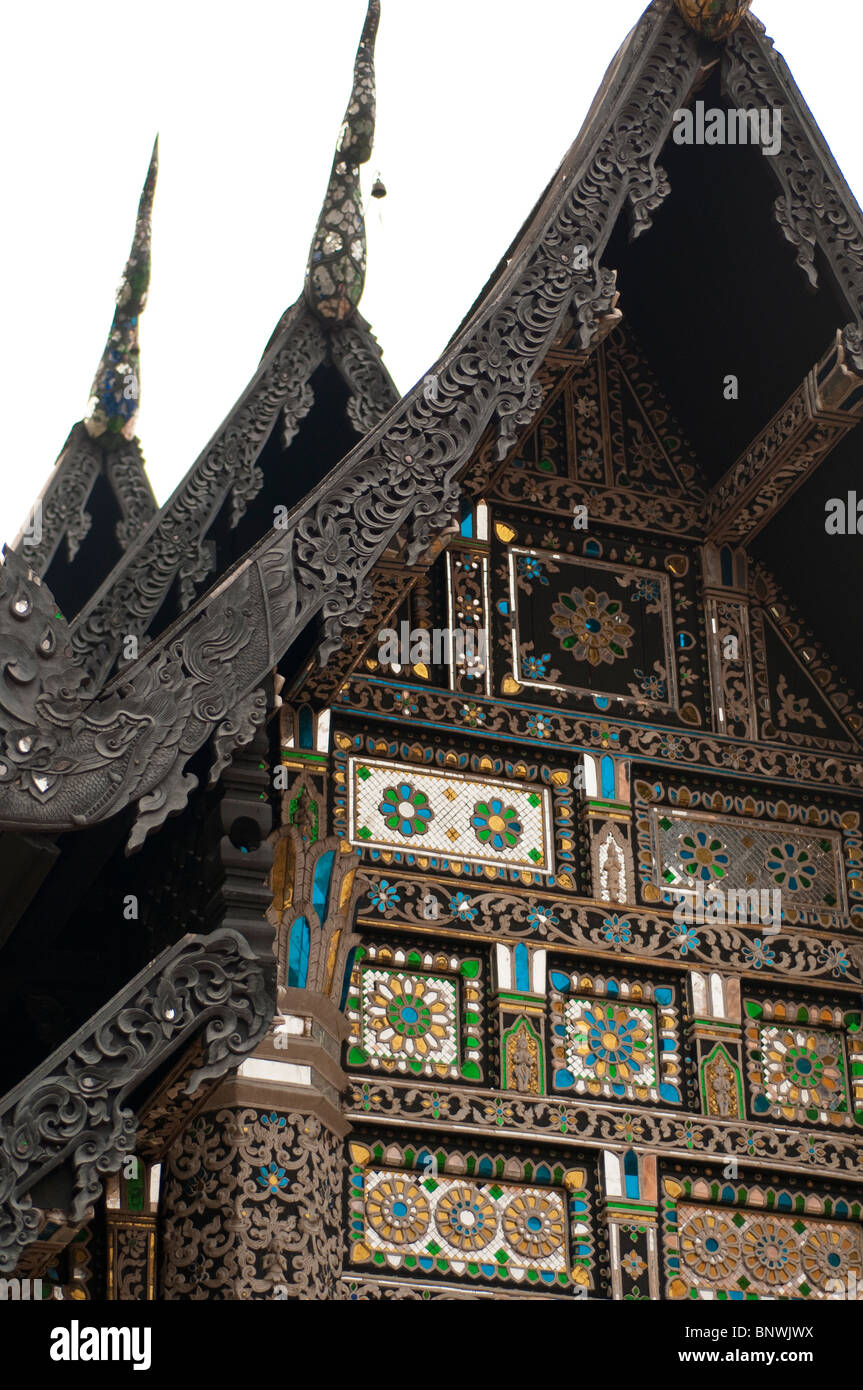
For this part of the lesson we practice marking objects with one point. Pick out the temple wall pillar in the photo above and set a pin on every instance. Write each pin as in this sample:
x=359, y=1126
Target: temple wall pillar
x=251, y=1205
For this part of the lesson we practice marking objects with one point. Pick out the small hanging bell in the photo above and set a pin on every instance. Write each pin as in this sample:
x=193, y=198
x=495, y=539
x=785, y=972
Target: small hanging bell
x=379, y=188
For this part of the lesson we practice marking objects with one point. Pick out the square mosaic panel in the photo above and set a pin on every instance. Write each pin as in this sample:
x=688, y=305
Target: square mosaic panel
x=619, y=1041
x=592, y=627
x=802, y=1074
x=805, y=1063
x=449, y=815
x=691, y=848
x=426, y=1022
x=409, y=1016
x=719, y=1252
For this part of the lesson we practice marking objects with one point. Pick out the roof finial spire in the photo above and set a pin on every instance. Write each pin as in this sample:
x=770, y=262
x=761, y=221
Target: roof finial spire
x=713, y=19
x=337, y=262
x=113, y=407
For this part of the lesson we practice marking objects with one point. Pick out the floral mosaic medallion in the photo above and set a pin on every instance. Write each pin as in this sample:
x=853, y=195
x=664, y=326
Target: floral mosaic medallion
x=791, y=866
x=479, y=1229
x=398, y=1210
x=467, y=1218
x=425, y=1022
x=802, y=1074
x=534, y=1225
x=592, y=627
x=720, y=1252
x=453, y=818
x=703, y=856
x=711, y=1245
x=608, y=1040
x=406, y=810
x=615, y=1046
x=496, y=825
x=771, y=1251
x=800, y=1070
x=409, y=1015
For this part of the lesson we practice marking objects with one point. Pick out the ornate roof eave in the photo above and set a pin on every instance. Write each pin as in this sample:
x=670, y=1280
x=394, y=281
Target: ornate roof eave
x=828, y=217
x=318, y=328
x=73, y=1109
x=85, y=761
x=105, y=441
x=60, y=512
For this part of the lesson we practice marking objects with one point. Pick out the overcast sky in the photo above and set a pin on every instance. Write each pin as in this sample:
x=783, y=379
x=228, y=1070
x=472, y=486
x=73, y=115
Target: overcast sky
x=477, y=102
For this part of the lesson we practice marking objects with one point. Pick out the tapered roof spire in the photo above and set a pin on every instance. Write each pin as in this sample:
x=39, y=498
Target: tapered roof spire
x=337, y=262
x=113, y=407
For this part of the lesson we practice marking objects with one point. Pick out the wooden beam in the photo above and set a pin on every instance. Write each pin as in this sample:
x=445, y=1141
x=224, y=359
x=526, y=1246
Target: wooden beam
x=820, y=413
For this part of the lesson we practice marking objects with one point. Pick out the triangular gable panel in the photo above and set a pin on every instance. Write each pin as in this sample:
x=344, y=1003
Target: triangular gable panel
x=799, y=699
x=606, y=428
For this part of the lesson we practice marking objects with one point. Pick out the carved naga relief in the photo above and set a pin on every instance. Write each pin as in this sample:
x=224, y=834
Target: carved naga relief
x=74, y=1108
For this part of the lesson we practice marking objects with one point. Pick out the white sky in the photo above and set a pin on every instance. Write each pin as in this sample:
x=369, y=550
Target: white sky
x=477, y=102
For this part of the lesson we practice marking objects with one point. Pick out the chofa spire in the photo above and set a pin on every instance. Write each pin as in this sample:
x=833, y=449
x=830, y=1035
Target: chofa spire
x=113, y=407
x=713, y=19
x=337, y=262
